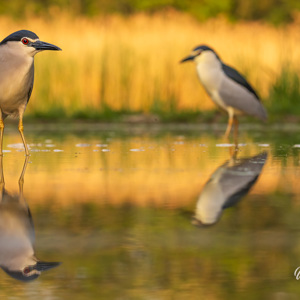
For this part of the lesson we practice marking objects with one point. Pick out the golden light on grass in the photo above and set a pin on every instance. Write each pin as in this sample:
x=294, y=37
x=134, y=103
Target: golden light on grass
x=132, y=63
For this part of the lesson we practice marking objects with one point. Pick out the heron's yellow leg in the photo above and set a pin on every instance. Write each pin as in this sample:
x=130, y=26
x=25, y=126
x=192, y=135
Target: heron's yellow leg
x=1, y=133
x=21, y=179
x=229, y=126
x=21, y=128
x=2, y=183
x=233, y=151
x=236, y=130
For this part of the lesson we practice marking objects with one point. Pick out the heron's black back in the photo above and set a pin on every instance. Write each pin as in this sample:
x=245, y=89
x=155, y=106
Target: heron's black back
x=237, y=77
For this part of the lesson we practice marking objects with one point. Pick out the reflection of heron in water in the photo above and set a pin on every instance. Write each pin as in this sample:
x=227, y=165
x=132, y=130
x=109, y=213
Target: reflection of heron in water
x=226, y=186
x=17, y=236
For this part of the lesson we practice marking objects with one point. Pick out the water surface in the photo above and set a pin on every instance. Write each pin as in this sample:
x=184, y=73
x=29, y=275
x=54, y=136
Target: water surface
x=118, y=208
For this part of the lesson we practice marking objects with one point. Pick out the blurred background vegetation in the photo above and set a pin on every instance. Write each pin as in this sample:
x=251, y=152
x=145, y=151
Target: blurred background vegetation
x=120, y=58
x=274, y=11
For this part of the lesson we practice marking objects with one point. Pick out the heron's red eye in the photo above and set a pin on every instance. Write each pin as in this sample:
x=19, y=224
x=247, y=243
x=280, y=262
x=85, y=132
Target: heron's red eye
x=25, y=41
x=26, y=270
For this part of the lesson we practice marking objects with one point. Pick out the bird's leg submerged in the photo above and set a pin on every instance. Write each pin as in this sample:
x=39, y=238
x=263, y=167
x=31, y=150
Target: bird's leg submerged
x=21, y=179
x=2, y=182
x=233, y=151
x=1, y=132
x=21, y=127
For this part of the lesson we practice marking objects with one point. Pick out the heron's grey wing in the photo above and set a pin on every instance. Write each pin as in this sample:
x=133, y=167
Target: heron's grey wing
x=238, y=179
x=239, y=97
x=29, y=92
x=237, y=77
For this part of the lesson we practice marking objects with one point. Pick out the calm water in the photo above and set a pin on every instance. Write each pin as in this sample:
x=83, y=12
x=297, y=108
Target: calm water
x=156, y=213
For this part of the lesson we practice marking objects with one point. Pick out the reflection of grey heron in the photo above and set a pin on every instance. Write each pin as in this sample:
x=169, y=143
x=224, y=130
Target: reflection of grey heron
x=17, y=257
x=226, y=186
x=226, y=86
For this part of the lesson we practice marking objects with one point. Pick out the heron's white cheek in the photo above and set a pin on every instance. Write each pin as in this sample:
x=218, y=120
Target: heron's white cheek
x=31, y=51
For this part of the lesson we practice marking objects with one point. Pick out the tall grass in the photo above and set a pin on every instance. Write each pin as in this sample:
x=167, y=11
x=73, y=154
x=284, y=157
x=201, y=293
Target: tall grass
x=131, y=64
x=285, y=94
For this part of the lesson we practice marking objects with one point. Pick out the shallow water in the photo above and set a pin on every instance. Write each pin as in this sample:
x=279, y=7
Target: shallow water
x=163, y=213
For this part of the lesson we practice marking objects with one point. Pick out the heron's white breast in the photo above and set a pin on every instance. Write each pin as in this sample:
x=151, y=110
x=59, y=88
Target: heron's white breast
x=211, y=75
x=16, y=76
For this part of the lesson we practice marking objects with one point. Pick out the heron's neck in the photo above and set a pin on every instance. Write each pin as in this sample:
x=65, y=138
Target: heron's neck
x=209, y=70
x=208, y=60
x=14, y=59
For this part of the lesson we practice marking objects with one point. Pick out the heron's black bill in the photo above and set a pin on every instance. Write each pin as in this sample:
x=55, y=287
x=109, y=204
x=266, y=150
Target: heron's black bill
x=43, y=266
x=190, y=57
x=39, y=45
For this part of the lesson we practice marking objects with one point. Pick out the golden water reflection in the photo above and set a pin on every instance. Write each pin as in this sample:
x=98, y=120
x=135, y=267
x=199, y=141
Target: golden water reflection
x=117, y=208
x=165, y=171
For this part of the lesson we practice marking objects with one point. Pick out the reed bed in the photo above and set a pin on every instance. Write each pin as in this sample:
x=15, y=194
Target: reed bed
x=131, y=64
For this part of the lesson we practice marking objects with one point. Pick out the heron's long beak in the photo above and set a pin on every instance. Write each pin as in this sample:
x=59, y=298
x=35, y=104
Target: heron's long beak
x=190, y=57
x=44, y=266
x=39, y=45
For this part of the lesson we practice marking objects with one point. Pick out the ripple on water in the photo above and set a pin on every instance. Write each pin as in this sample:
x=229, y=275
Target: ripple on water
x=224, y=145
x=16, y=146
x=136, y=150
x=82, y=145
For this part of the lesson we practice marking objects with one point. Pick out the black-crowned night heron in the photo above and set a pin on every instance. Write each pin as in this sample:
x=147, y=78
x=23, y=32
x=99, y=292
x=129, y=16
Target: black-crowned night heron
x=226, y=186
x=17, y=53
x=226, y=86
x=17, y=257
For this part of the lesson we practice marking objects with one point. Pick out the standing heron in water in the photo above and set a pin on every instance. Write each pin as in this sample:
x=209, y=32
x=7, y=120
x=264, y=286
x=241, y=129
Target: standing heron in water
x=226, y=86
x=17, y=53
